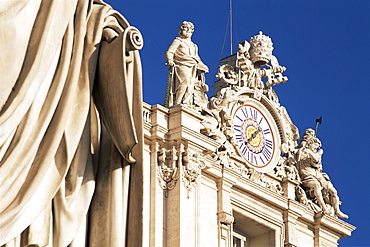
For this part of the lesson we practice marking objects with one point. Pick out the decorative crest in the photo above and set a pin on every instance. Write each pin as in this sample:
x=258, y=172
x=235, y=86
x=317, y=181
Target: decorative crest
x=255, y=66
x=260, y=49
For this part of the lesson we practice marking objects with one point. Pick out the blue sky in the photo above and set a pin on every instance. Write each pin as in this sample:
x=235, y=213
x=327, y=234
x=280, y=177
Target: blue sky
x=325, y=47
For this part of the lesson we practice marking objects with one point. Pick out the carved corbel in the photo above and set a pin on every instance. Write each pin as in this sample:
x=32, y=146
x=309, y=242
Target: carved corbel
x=192, y=166
x=167, y=168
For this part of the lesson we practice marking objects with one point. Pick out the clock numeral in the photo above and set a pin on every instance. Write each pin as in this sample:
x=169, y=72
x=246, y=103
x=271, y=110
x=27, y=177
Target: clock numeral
x=263, y=162
x=241, y=120
x=244, y=111
x=269, y=144
x=244, y=150
x=237, y=128
x=260, y=120
x=253, y=113
x=266, y=153
x=239, y=138
x=253, y=159
x=266, y=131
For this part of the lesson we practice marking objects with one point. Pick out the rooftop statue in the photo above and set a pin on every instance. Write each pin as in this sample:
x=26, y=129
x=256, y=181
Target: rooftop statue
x=186, y=83
x=71, y=133
x=314, y=180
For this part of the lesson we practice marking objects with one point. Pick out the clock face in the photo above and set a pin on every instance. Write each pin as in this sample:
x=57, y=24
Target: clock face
x=254, y=136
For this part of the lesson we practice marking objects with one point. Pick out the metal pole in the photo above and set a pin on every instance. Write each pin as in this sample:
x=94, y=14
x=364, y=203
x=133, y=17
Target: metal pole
x=231, y=27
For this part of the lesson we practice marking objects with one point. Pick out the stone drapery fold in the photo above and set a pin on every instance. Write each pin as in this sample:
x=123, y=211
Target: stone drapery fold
x=57, y=93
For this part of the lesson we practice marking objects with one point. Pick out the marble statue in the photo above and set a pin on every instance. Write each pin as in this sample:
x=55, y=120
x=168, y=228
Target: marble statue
x=316, y=183
x=186, y=70
x=71, y=132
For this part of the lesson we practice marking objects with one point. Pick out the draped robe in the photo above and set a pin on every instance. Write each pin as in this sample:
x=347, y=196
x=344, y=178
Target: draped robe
x=70, y=125
x=184, y=74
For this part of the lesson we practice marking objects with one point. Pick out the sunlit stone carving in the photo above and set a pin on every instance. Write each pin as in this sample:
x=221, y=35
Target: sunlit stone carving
x=256, y=67
x=186, y=81
x=71, y=125
x=316, y=183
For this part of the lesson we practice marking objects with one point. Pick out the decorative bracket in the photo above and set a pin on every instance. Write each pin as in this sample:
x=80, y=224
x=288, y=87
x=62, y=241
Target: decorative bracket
x=167, y=169
x=192, y=166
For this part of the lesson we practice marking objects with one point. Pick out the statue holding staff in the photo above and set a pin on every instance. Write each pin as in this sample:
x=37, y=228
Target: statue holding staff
x=186, y=70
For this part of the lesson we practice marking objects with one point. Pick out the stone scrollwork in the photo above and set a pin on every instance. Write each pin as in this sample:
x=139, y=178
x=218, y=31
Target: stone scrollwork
x=227, y=74
x=223, y=157
x=217, y=122
x=274, y=73
x=168, y=173
x=210, y=126
x=286, y=168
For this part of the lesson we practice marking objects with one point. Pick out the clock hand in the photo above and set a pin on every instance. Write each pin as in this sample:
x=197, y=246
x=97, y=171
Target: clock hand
x=253, y=136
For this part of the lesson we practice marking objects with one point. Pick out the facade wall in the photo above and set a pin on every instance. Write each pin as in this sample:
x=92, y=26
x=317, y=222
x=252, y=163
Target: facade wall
x=195, y=200
x=207, y=214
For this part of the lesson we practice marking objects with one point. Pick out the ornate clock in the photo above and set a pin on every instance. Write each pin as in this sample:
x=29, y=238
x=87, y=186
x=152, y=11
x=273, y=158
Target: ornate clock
x=256, y=136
